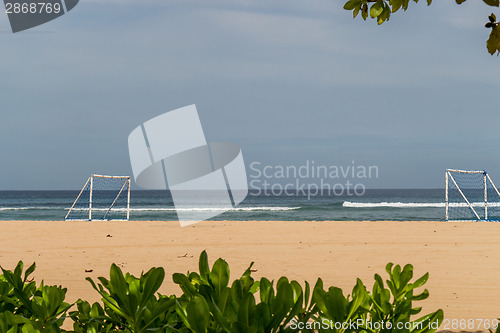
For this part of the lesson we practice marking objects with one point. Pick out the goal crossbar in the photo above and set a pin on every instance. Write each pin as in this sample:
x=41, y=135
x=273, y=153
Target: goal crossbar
x=465, y=171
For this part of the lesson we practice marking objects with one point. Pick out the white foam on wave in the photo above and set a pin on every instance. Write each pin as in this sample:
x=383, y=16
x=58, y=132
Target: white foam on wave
x=204, y=209
x=27, y=208
x=195, y=209
x=414, y=204
x=391, y=204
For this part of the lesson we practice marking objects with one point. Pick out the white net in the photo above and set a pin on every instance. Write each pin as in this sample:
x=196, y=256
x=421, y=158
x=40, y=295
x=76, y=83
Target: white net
x=471, y=195
x=102, y=198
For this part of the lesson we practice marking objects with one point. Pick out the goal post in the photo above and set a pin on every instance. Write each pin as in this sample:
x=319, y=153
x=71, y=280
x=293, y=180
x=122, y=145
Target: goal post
x=102, y=198
x=471, y=195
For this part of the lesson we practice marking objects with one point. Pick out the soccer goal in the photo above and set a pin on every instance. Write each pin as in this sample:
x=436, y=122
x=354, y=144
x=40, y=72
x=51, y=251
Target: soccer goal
x=102, y=198
x=471, y=196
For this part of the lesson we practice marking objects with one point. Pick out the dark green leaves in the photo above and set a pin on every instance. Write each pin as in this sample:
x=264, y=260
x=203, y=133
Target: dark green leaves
x=198, y=315
x=220, y=275
x=351, y=4
x=131, y=303
x=355, y=6
x=27, y=308
x=395, y=304
x=493, y=42
x=493, y=3
x=210, y=303
x=376, y=9
x=380, y=9
x=203, y=265
x=221, y=307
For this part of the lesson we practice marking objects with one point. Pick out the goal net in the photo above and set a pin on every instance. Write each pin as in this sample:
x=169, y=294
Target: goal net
x=471, y=196
x=102, y=198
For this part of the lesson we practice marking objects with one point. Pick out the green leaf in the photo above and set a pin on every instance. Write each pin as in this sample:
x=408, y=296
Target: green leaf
x=428, y=323
x=218, y=310
x=356, y=10
x=364, y=11
x=247, y=283
x=19, y=269
x=388, y=268
x=336, y=304
x=28, y=328
x=255, y=287
x=284, y=296
x=180, y=309
x=422, y=296
x=117, y=281
x=224, y=300
x=493, y=43
x=376, y=9
x=384, y=16
x=420, y=282
x=183, y=282
x=247, y=310
x=395, y=5
x=220, y=275
x=266, y=290
x=162, y=306
x=154, y=279
x=236, y=291
x=307, y=293
x=108, y=301
x=203, y=266
x=28, y=272
x=198, y=314
x=493, y=3
x=95, y=310
x=298, y=299
x=381, y=296
x=406, y=275
x=351, y=4
x=359, y=297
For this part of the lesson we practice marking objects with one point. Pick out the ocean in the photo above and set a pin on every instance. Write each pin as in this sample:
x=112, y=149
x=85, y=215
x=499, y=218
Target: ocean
x=396, y=205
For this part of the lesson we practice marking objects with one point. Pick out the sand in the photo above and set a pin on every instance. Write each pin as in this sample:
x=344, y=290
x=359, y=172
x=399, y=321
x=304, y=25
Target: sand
x=463, y=258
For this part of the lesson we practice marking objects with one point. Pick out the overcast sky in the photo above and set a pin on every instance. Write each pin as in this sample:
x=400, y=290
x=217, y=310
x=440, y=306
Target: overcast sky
x=290, y=81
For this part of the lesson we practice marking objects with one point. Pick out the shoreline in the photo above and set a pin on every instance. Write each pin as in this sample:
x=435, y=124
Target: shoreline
x=462, y=258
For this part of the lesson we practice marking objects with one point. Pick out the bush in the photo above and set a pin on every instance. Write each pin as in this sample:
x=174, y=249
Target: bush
x=28, y=308
x=210, y=303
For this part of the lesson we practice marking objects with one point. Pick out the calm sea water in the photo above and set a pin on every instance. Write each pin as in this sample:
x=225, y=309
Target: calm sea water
x=398, y=205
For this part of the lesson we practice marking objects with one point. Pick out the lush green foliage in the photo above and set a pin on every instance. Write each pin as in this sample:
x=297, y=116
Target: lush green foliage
x=27, y=308
x=383, y=310
x=210, y=303
x=130, y=304
x=381, y=11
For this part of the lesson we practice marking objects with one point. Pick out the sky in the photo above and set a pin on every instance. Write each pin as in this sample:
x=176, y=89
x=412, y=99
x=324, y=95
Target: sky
x=289, y=81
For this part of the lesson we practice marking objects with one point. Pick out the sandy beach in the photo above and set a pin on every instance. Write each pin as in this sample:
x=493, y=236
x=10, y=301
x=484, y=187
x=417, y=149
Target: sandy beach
x=463, y=258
